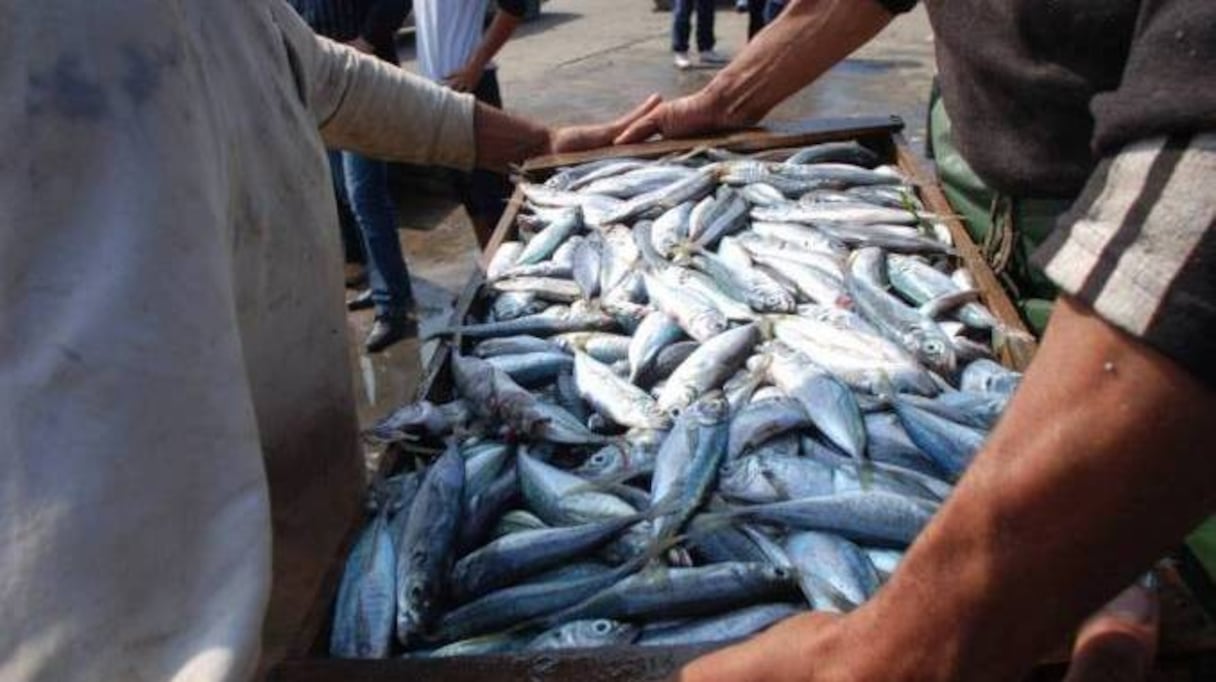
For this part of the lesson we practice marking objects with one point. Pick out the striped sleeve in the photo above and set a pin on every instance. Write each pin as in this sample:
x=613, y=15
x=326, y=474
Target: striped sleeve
x=1139, y=247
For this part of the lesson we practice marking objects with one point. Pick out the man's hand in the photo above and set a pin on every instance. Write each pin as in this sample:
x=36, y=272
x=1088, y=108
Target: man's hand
x=683, y=117
x=466, y=79
x=1116, y=644
x=577, y=138
x=362, y=45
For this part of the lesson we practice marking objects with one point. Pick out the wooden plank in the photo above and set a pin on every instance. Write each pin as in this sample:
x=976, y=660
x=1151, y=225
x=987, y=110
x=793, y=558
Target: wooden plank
x=1021, y=346
x=609, y=664
x=799, y=133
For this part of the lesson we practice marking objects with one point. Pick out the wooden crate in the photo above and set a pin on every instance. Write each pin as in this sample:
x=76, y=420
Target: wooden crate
x=1188, y=648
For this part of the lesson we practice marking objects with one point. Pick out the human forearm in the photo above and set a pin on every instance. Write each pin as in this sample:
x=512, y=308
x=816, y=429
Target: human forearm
x=504, y=139
x=1092, y=474
x=807, y=39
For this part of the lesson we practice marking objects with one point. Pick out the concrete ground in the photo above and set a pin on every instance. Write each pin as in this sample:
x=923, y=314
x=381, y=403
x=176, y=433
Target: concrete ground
x=587, y=60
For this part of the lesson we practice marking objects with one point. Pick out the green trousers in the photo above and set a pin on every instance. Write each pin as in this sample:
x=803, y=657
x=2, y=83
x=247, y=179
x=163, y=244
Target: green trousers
x=1009, y=229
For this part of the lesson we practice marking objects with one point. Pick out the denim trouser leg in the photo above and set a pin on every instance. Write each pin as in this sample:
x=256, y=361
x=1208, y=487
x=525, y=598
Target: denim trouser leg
x=705, y=25
x=772, y=8
x=681, y=25
x=367, y=186
x=352, y=241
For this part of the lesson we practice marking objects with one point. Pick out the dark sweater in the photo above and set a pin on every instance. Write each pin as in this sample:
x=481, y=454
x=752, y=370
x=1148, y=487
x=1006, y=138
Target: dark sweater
x=1039, y=90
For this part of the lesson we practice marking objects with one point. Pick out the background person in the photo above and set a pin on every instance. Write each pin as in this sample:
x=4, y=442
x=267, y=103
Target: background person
x=681, y=28
x=361, y=183
x=453, y=50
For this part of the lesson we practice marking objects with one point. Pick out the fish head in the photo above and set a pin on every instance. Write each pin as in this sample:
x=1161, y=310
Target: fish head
x=708, y=325
x=418, y=595
x=779, y=301
x=607, y=460
x=935, y=350
x=602, y=630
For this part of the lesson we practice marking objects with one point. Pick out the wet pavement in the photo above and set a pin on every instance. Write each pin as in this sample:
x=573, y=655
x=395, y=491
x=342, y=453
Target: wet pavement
x=583, y=61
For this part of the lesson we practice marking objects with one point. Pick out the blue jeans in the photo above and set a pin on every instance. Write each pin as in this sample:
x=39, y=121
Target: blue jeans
x=681, y=25
x=772, y=8
x=364, y=187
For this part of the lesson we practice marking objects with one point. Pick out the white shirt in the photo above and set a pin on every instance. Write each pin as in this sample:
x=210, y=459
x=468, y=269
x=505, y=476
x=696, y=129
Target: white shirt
x=172, y=333
x=446, y=33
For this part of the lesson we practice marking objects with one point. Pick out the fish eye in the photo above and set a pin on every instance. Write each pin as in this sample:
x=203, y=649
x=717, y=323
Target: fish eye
x=416, y=592
x=603, y=627
x=599, y=458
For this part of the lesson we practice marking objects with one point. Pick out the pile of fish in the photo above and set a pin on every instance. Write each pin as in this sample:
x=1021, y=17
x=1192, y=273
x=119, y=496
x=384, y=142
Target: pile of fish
x=708, y=392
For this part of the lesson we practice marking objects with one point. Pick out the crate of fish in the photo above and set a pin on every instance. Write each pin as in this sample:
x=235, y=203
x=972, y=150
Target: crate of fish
x=697, y=388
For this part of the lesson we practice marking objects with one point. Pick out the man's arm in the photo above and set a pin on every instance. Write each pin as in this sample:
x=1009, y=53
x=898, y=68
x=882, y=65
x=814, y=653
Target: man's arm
x=365, y=105
x=1098, y=467
x=807, y=39
x=509, y=15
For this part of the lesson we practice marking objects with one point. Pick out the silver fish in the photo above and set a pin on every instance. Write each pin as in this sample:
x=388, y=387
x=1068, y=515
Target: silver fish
x=562, y=498
x=584, y=634
x=875, y=518
x=728, y=627
x=687, y=468
x=424, y=551
x=915, y=332
x=695, y=315
x=363, y=614
x=503, y=259
x=687, y=189
x=835, y=574
x=677, y=592
x=422, y=417
x=512, y=345
x=828, y=403
x=513, y=557
x=707, y=367
x=758, y=290
x=615, y=398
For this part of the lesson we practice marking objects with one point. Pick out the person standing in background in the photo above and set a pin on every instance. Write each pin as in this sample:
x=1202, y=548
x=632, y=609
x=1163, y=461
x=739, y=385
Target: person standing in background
x=361, y=183
x=681, y=28
x=455, y=50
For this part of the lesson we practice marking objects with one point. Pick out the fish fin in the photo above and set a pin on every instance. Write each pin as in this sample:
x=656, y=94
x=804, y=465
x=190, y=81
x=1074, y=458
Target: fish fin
x=936, y=307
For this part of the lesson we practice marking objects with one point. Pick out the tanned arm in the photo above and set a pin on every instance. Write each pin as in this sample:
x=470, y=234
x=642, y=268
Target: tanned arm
x=1099, y=466
x=503, y=139
x=808, y=38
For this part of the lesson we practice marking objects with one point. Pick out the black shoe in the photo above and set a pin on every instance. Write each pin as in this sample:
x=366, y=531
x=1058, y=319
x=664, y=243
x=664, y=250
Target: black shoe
x=361, y=301
x=389, y=330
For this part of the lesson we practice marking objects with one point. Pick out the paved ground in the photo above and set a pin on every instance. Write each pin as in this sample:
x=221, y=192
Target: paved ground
x=586, y=60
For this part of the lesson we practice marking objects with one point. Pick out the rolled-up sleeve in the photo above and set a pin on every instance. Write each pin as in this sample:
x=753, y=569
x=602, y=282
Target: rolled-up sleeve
x=1139, y=247
x=365, y=105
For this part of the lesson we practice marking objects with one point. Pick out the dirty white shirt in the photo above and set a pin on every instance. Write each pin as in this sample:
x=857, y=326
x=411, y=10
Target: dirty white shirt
x=171, y=322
